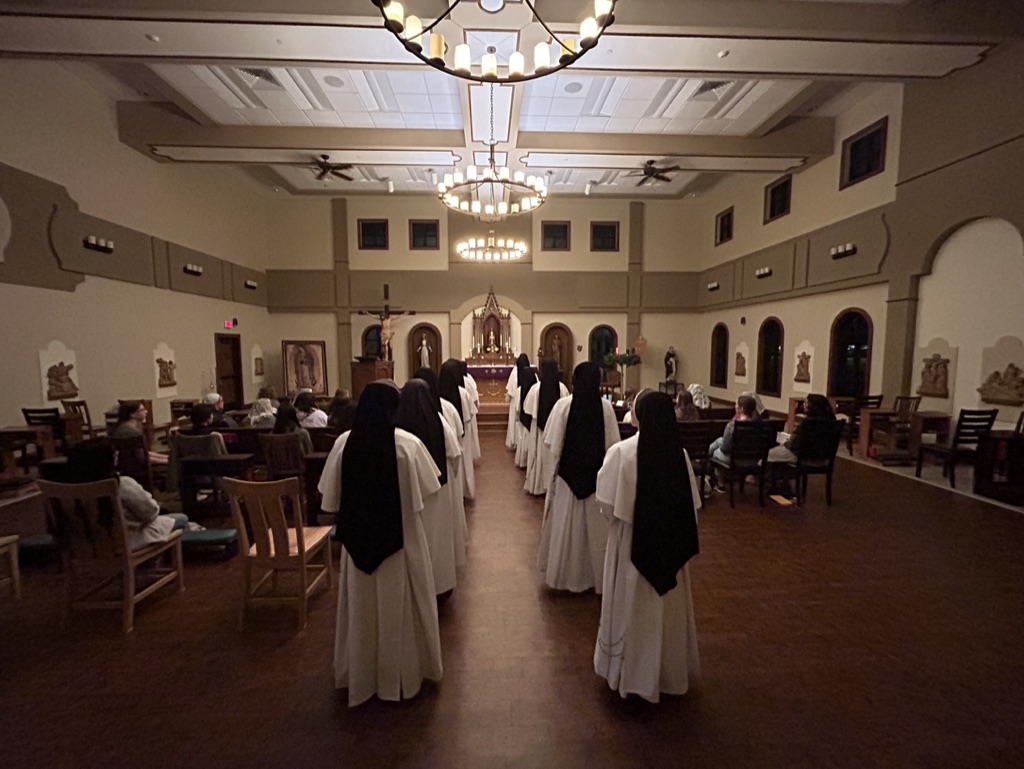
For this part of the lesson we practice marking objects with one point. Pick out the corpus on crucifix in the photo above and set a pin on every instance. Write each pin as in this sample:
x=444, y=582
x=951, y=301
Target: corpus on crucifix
x=385, y=314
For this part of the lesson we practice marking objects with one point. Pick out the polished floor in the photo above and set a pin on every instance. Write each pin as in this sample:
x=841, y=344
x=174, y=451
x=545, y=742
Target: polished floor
x=886, y=631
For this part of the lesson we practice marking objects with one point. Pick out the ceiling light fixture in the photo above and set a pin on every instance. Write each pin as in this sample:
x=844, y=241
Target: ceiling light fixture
x=492, y=192
x=491, y=249
x=416, y=37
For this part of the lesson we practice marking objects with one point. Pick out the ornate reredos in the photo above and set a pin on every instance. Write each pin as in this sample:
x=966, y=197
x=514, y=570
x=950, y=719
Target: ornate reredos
x=491, y=307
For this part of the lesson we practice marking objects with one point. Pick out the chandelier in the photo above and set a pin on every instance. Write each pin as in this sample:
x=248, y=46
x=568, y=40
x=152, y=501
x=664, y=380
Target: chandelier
x=411, y=32
x=492, y=192
x=490, y=249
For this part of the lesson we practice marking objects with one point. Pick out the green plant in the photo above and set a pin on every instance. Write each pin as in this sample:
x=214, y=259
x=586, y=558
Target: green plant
x=624, y=359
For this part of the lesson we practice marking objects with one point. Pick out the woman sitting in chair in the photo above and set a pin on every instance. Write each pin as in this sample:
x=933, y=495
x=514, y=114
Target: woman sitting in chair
x=816, y=409
x=262, y=414
x=132, y=418
x=288, y=422
x=95, y=460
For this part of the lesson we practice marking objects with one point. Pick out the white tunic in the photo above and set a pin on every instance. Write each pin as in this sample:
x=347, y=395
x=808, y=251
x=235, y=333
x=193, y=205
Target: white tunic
x=387, y=638
x=444, y=527
x=469, y=417
x=646, y=643
x=512, y=397
x=454, y=486
x=574, y=535
x=145, y=526
x=472, y=426
x=540, y=463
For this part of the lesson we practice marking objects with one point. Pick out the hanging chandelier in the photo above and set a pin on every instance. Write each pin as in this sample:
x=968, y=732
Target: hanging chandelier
x=412, y=34
x=492, y=192
x=491, y=249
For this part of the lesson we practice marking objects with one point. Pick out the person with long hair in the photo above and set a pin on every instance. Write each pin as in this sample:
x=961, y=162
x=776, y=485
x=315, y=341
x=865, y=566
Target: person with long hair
x=377, y=478
x=538, y=404
x=647, y=639
x=287, y=421
x=450, y=388
x=816, y=409
x=574, y=535
x=341, y=411
x=418, y=415
x=526, y=378
x=309, y=414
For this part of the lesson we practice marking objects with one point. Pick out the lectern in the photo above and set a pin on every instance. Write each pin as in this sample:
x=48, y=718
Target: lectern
x=366, y=370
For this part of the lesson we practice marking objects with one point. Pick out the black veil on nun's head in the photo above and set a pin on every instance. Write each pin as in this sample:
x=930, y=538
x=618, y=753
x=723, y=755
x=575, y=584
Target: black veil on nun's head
x=416, y=414
x=526, y=379
x=448, y=384
x=583, y=448
x=428, y=376
x=550, y=390
x=664, y=519
x=370, y=514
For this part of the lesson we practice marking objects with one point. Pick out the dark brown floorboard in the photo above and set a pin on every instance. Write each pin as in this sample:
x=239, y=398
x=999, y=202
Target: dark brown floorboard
x=886, y=631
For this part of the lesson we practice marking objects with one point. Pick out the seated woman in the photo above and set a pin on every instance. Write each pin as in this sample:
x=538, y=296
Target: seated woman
x=377, y=478
x=270, y=394
x=341, y=411
x=700, y=400
x=288, y=422
x=538, y=404
x=220, y=419
x=131, y=422
x=647, y=638
x=262, y=413
x=816, y=409
x=630, y=416
x=721, y=448
x=95, y=460
x=686, y=411
x=309, y=414
x=760, y=412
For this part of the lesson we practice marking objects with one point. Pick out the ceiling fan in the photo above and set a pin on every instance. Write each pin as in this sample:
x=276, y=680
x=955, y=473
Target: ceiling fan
x=323, y=167
x=652, y=173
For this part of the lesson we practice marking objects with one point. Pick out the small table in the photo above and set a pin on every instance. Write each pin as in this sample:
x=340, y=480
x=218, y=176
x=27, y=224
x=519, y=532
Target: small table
x=1002, y=449
x=922, y=422
x=16, y=436
x=314, y=462
x=866, y=415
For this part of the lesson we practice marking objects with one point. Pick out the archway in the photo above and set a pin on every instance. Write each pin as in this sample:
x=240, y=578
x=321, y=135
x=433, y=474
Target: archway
x=556, y=343
x=424, y=333
x=849, y=355
x=720, y=356
x=371, y=341
x=603, y=341
x=769, y=357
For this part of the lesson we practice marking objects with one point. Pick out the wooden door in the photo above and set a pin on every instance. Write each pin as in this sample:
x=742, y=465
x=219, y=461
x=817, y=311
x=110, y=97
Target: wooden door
x=556, y=342
x=228, y=357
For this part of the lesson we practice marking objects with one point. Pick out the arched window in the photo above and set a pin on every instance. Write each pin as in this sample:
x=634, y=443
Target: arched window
x=769, y=358
x=603, y=341
x=849, y=357
x=371, y=342
x=720, y=356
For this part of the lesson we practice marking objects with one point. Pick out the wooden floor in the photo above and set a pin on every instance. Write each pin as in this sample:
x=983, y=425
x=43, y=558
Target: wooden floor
x=887, y=631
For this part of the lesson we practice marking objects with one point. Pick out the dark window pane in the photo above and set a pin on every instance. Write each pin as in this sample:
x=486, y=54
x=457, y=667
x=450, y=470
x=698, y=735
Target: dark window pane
x=778, y=199
x=723, y=227
x=720, y=356
x=424, y=235
x=373, y=234
x=555, y=236
x=604, y=236
x=769, y=358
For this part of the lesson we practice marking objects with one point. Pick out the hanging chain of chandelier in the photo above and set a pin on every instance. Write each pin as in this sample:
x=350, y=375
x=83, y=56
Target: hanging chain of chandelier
x=493, y=192
x=491, y=249
x=411, y=32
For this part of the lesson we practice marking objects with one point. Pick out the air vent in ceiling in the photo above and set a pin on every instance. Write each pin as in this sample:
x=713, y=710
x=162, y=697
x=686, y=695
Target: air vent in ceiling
x=711, y=90
x=253, y=76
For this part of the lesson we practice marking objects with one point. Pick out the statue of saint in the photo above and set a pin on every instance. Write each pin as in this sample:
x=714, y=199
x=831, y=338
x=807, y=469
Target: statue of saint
x=741, y=365
x=803, y=367
x=556, y=350
x=424, y=352
x=491, y=347
x=166, y=373
x=671, y=364
x=59, y=383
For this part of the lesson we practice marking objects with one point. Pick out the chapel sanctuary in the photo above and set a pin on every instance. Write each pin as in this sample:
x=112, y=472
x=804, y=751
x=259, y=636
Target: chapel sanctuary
x=213, y=211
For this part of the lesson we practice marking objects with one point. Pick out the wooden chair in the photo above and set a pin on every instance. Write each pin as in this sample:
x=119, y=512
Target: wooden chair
x=971, y=426
x=853, y=429
x=896, y=430
x=751, y=442
x=276, y=547
x=88, y=522
x=51, y=418
x=816, y=455
x=80, y=409
x=133, y=459
x=1019, y=429
x=323, y=438
x=283, y=455
x=186, y=447
x=9, y=548
x=696, y=438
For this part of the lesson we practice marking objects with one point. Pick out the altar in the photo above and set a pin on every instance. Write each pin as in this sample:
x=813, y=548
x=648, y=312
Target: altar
x=490, y=381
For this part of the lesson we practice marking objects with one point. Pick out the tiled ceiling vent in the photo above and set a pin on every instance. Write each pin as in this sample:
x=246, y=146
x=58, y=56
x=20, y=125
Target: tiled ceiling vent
x=711, y=90
x=257, y=75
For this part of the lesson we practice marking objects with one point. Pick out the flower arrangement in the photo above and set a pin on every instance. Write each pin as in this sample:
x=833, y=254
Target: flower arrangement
x=624, y=359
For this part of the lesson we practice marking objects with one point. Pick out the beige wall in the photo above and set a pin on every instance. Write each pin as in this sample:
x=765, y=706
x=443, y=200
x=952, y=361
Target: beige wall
x=398, y=210
x=981, y=270
x=580, y=212
x=401, y=326
x=299, y=233
x=56, y=126
x=580, y=324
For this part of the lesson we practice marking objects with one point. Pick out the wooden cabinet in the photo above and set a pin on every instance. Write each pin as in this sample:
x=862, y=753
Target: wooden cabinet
x=364, y=372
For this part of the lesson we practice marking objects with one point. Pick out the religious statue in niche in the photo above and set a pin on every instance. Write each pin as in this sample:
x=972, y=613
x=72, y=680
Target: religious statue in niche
x=671, y=364
x=257, y=366
x=424, y=352
x=491, y=346
x=741, y=365
x=935, y=377
x=59, y=384
x=1006, y=388
x=166, y=373
x=803, y=367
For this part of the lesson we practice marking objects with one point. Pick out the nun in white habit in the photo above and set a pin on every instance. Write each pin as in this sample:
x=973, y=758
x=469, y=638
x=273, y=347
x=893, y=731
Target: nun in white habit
x=512, y=397
x=377, y=479
x=449, y=387
x=526, y=378
x=474, y=396
x=647, y=640
x=538, y=404
x=574, y=535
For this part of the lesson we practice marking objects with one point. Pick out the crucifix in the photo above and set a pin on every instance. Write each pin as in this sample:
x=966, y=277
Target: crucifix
x=384, y=315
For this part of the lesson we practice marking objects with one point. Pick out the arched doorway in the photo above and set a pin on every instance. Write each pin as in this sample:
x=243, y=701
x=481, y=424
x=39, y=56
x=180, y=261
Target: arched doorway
x=603, y=341
x=424, y=334
x=371, y=342
x=769, y=357
x=849, y=355
x=556, y=342
x=720, y=356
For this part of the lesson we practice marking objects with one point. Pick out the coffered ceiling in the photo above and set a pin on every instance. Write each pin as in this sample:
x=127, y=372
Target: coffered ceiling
x=713, y=88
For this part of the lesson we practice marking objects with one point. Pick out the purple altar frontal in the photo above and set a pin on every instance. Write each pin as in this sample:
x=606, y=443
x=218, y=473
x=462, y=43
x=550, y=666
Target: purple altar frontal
x=495, y=371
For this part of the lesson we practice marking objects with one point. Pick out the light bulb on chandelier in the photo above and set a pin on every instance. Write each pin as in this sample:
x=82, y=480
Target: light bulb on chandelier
x=411, y=32
x=491, y=249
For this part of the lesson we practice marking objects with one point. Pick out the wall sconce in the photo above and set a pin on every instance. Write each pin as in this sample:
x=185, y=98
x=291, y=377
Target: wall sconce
x=251, y=285
x=98, y=244
x=192, y=269
x=713, y=286
x=843, y=250
x=763, y=272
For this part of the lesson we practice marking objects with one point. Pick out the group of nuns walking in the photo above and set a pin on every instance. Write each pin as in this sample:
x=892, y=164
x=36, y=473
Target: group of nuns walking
x=619, y=518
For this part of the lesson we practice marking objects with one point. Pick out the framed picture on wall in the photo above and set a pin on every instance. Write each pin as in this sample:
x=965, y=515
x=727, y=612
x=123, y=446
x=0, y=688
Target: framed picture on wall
x=305, y=366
